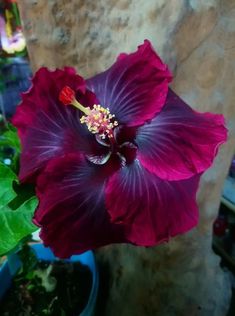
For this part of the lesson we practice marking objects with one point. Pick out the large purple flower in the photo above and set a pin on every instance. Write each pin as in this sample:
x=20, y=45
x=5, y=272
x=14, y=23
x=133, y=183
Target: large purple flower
x=102, y=179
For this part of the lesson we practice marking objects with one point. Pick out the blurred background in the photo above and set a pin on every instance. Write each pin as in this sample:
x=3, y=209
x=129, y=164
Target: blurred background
x=14, y=65
x=194, y=273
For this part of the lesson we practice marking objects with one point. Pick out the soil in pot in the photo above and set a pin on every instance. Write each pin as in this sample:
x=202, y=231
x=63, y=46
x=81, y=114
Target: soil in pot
x=58, y=288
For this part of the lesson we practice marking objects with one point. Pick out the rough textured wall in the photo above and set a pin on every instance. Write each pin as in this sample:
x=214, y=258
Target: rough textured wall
x=197, y=39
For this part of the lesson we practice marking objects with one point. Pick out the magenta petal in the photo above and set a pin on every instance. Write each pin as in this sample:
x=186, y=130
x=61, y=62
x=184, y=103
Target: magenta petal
x=180, y=142
x=46, y=127
x=71, y=208
x=134, y=88
x=153, y=209
x=45, y=84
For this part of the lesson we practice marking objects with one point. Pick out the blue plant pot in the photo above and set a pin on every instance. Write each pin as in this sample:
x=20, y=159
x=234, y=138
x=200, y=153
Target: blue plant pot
x=10, y=267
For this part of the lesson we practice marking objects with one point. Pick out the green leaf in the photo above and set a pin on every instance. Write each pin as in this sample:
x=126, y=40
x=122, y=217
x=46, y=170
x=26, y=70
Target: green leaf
x=24, y=192
x=7, y=177
x=17, y=224
x=10, y=138
x=15, y=212
x=10, y=146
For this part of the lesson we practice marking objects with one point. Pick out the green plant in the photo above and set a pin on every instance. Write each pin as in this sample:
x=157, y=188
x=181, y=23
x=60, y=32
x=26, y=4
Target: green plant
x=17, y=202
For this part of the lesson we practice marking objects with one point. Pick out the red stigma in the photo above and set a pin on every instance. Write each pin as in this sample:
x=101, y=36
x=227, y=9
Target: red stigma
x=67, y=95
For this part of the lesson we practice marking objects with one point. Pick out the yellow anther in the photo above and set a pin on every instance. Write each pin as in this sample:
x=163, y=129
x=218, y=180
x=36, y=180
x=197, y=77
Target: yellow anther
x=99, y=121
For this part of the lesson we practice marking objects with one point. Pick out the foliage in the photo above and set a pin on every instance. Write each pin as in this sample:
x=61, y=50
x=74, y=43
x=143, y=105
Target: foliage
x=10, y=146
x=17, y=202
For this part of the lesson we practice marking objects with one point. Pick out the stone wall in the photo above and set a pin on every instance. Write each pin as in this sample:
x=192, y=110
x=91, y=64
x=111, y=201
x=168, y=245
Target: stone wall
x=197, y=39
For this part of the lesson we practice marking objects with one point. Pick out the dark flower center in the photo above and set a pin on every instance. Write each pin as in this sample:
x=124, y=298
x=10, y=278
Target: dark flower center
x=127, y=153
x=119, y=146
x=117, y=140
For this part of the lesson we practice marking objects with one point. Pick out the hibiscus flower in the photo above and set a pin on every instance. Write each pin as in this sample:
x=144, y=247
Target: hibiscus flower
x=115, y=158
